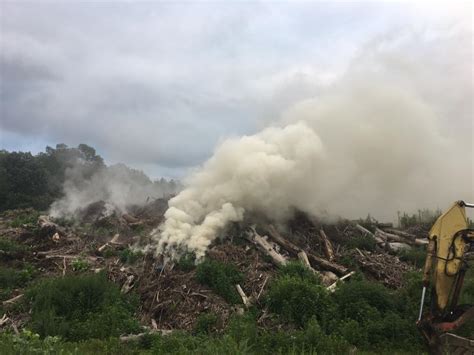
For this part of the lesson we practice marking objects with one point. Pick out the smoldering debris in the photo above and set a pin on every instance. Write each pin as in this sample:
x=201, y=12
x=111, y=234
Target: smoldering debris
x=171, y=297
x=372, y=142
x=114, y=189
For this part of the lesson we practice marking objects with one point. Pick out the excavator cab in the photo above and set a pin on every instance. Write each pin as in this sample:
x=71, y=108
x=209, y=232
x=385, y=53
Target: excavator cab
x=451, y=245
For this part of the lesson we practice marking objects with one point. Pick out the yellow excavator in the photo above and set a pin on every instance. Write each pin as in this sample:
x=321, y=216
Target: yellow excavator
x=451, y=244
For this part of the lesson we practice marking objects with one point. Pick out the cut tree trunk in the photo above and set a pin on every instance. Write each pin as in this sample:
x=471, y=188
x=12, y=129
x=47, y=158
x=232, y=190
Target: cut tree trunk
x=378, y=239
x=327, y=265
x=267, y=248
x=333, y=286
x=328, y=249
x=243, y=296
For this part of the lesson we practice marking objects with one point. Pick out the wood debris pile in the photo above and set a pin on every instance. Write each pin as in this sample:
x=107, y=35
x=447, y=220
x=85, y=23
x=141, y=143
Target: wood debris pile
x=172, y=298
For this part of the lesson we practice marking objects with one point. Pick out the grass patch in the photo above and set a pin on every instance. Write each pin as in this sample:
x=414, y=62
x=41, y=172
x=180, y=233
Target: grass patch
x=26, y=218
x=81, y=307
x=10, y=249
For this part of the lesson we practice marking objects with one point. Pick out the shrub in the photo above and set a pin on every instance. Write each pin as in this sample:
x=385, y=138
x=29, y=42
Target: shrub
x=187, y=262
x=297, y=269
x=385, y=319
x=80, y=265
x=362, y=292
x=415, y=256
x=297, y=300
x=128, y=256
x=81, y=307
x=364, y=242
x=221, y=278
x=206, y=323
x=11, y=278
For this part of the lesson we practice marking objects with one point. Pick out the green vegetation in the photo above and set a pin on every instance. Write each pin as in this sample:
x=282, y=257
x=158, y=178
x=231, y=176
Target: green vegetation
x=28, y=180
x=221, y=278
x=187, y=262
x=80, y=265
x=81, y=307
x=364, y=242
x=27, y=218
x=297, y=269
x=206, y=323
x=129, y=256
x=10, y=249
x=360, y=313
x=415, y=256
x=424, y=217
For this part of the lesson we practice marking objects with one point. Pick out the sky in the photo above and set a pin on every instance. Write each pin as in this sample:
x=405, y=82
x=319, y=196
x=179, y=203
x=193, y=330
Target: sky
x=157, y=85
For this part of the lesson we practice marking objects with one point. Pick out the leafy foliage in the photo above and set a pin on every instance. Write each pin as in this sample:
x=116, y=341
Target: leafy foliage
x=364, y=242
x=206, y=323
x=221, y=278
x=298, y=300
x=80, y=265
x=297, y=269
x=129, y=256
x=187, y=262
x=415, y=256
x=81, y=307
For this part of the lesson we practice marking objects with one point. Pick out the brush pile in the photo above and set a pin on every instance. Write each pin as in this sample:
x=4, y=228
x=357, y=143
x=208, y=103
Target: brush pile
x=172, y=295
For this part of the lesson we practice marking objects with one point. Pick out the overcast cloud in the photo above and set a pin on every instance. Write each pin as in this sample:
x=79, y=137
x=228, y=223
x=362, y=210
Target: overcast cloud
x=158, y=85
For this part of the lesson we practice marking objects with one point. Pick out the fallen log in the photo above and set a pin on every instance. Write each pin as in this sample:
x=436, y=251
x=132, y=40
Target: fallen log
x=53, y=256
x=327, y=277
x=277, y=237
x=396, y=246
x=48, y=227
x=421, y=242
x=261, y=288
x=388, y=236
x=295, y=250
x=130, y=219
x=114, y=240
x=328, y=249
x=4, y=320
x=127, y=286
x=243, y=296
x=327, y=265
x=333, y=286
x=12, y=300
x=400, y=233
x=304, y=259
x=267, y=248
x=136, y=337
x=378, y=239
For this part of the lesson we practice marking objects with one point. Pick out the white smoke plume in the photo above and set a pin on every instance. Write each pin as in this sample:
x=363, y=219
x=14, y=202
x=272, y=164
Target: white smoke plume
x=394, y=133
x=118, y=186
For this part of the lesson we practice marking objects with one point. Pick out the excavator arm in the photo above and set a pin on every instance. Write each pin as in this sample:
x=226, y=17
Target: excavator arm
x=451, y=243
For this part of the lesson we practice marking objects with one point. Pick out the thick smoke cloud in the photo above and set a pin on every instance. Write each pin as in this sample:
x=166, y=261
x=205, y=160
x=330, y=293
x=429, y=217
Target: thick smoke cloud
x=394, y=133
x=118, y=186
